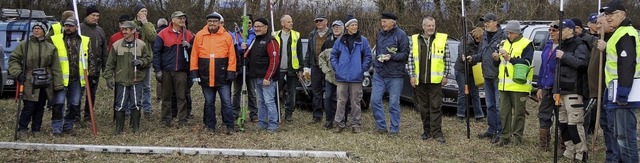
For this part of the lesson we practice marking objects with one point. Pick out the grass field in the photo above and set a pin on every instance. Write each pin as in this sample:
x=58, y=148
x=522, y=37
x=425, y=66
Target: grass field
x=367, y=146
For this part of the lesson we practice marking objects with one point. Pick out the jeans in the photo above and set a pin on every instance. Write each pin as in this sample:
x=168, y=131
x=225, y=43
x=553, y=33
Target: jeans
x=72, y=96
x=251, y=97
x=394, y=87
x=209, y=105
x=146, y=87
x=317, y=81
x=493, y=108
x=32, y=112
x=268, y=112
x=93, y=88
x=612, y=153
x=462, y=98
x=626, y=133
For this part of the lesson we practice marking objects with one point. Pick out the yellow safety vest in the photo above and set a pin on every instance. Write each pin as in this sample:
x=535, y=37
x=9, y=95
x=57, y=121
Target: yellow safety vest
x=611, y=63
x=58, y=42
x=56, y=28
x=437, y=57
x=294, y=44
x=506, y=83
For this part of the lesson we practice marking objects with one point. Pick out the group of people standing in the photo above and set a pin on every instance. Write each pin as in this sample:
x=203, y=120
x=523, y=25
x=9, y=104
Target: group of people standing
x=337, y=60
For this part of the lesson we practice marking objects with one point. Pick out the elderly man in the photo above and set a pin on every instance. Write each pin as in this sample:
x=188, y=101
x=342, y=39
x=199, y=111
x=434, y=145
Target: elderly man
x=290, y=58
x=392, y=53
x=171, y=65
x=622, y=71
x=147, y=34
x=97, y=55
x=317, y=38
x=428, y=67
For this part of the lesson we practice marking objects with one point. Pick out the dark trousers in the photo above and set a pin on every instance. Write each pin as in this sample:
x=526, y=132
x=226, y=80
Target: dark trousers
x=175, y=86
x=93, y=88
x=32, y=112
x=429, y=99
x=289, y=99
x=547, y=104
x=317, y=88
x=237, y=93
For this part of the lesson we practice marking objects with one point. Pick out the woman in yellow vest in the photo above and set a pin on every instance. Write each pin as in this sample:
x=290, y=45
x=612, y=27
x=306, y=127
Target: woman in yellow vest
x=516, y=50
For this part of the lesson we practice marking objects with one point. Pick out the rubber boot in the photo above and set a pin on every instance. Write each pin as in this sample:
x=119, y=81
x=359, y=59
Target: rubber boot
x=120, y=116
x=545, y=138
x=135, y=120
x=570, y=150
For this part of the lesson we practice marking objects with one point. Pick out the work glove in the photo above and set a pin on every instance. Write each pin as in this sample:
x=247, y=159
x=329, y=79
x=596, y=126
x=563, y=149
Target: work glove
x=623, y=95
x=186, y=44
x=159, y=76
x=231, y=75
x=21, y=78
x=137, y=63
x=307, y=73
x=111, y=84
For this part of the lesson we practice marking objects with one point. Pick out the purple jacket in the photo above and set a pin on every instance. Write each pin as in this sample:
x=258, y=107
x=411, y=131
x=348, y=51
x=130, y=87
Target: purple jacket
x=548, y=67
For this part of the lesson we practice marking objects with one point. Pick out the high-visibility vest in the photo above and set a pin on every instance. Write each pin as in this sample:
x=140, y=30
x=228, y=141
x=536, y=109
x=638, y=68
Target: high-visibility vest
x=611, y=63
x=505, y=82
x=437, y=57
x=58, y=42
x=56, y=28
x=294, y=44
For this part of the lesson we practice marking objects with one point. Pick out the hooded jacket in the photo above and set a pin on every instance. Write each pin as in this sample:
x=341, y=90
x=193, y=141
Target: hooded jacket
x=39, y=51
x=573, y=65
x=120, y=67
x=212, y=57
x=168, y=52
x=485, y=54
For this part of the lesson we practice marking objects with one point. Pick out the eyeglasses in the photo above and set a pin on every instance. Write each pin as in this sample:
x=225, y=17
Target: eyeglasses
x=553, y=30
x=259, y=26
x=318, y=21
x=213, y=21
x=611, y=13
x=249, y=23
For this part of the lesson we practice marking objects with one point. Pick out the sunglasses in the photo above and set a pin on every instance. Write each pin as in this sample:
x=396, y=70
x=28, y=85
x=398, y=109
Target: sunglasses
x=553, y=30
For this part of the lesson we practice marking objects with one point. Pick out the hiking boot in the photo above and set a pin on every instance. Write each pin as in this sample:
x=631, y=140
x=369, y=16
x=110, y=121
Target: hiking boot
x=339, y=129
x=229, y=131
x=495, y=139
x=502, y=142
x=393, y=134
x=328, y=125
x=22, y=134
x=69, y=131
x=35, y=134
x=425, y=136
x=272, y=131
x=381, y=131
x=356, y=130
x=485, y=135
x=441, y=140
x=211, y=131
x=315, y=120
x=166, y=124
x=288, y=118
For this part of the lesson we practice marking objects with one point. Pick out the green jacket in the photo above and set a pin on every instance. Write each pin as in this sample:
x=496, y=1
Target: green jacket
x=325, y=64
x=39, y=51
x=147, y=32
x=120, y=67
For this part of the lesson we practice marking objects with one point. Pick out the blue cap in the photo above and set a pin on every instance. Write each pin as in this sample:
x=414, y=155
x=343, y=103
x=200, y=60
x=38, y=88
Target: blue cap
x=593, y=17
x=568, y=23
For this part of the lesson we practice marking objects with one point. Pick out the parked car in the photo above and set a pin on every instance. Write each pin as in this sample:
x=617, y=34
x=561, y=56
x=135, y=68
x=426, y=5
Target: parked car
x=14, y=24
x=450, y=90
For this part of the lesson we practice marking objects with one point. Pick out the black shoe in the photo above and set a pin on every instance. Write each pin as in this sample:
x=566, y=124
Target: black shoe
x=485, y=135
x=166, y=124
x=315, y=121
x=288, y=118
x=147, y=115
x=441, y=140
x=254, y=119
x=69, y=132
x=393, y=134
x=339, y=129
x=229, y=131
x=481, y=119
x=502, y=142
x=425, y=136
x=211, y=131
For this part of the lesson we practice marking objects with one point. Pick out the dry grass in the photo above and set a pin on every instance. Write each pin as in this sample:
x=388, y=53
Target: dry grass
x=298, y=135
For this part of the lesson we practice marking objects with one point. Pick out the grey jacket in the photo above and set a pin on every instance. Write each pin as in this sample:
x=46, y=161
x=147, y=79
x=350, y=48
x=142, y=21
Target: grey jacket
x=485, y=54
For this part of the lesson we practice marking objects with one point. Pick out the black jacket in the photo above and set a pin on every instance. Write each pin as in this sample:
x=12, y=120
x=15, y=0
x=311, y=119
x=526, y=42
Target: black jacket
x=485, y=54
x=310, y=60
x=471, y=49
x=573, y=65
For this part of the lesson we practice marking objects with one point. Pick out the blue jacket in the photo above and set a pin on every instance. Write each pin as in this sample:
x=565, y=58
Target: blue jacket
x=350, y=65
x=394, y=67
x=547, y=67
x=168, y=52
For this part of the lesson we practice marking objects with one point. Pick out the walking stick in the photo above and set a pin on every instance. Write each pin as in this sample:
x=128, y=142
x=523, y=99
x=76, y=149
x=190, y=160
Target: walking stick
x=599, y=100
x=20, y=86
x=466, y=71
x=83, y=61
x=277, y=87
x=556, y=94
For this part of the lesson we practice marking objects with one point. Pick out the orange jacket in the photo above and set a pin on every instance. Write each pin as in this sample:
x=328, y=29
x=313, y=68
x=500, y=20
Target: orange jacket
x=212, y=56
